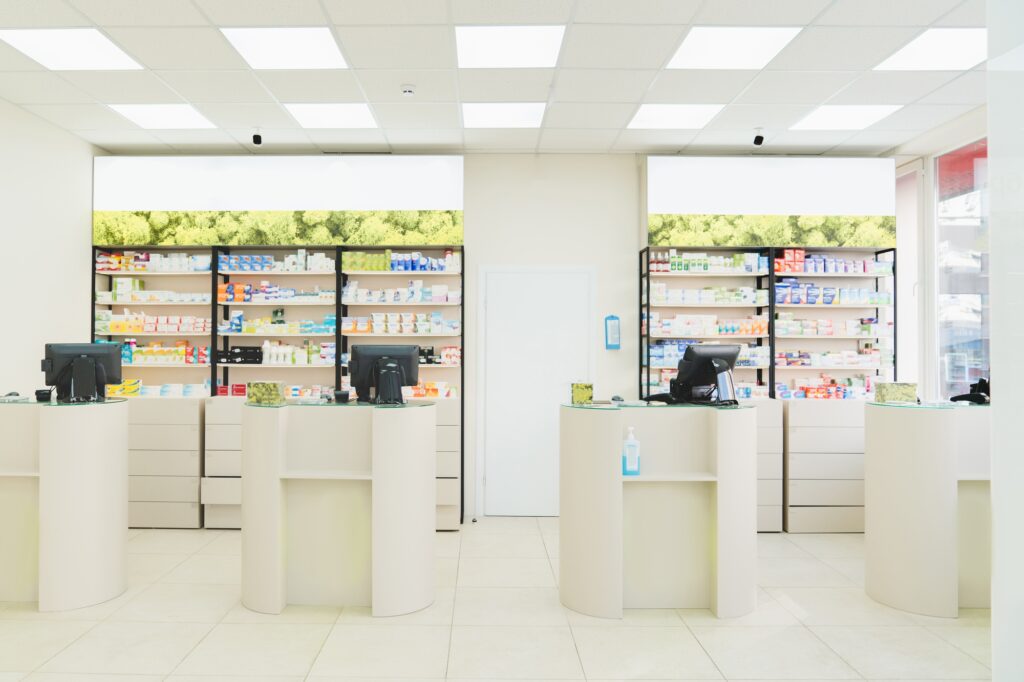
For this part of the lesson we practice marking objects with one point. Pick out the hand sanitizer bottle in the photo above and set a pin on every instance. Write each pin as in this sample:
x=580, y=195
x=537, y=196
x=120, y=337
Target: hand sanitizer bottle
x=631, y=455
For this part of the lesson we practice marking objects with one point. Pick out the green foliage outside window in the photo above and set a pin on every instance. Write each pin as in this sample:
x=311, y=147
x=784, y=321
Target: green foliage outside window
x=771, y=230
x=276, y=228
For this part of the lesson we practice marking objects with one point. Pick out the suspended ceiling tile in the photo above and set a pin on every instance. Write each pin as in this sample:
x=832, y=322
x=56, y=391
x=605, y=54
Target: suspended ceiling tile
x=398, y=47
x=574, y=140
x=885, y=12
x=217, y=86
x=654, y=140
x=125, y=141
x=921, y=117
x=830, y=48
x=698, y=86
x=502, y=139
x=597, y=46
x=970, y=88
x=410, y=115
x=970, y=14
x=327, y=85
x=273, y=138
x=249, y=116
x=178, y=48
x=746, y=117
x=40, y=87
x=584, y=115
x=795, y=87
x=505, y=85
x=511, y=12
x=424, y=137
x=759, y=12
x=14, y=60
x=892, y=87
x=602, y=85
x=141, y=12
x=82, y=116
x=123, y=87
x=635, y=11
x=430, y=85
x=230, y=13
x=39, y=14
x=387, y=12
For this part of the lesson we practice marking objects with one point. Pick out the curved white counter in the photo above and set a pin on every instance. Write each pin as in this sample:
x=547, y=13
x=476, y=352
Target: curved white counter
x=927, y=518
x=63, y=503
x=338, y=505
x=682, y=534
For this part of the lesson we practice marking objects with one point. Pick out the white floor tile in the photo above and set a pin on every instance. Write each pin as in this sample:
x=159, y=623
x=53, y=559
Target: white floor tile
x=798, y=572
x=975, y=642
x=768, y=612
x=852, y=568
x=967, y=618
x=24, y=646
x=446, y=571
x=901, y=653
x=548, y=524
x=207, y=569
x=86, y=677
x=180, y=603
x=551, y=544
x=830, y=545
x=513, y=652
x=775, y=545
x=97, y=612
x=642, y=653
x=228, y=542
x=771, y=653
x=438, y=613
x=234, y=678
x=384, y=651
x=146, y=569
x=256, y=649
x=662, y=618
x=509, y=606
x=504, y=572
x=171, y=541
x=129, y=649
x=447, y=544
x=502, y=524
x=837, y=606
x=292, y=614
x=502, y=545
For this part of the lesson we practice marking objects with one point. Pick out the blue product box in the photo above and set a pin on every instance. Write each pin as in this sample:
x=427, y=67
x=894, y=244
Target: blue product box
x=828, y=295
x=782, y=293
x=813, y=293
x=796, y=295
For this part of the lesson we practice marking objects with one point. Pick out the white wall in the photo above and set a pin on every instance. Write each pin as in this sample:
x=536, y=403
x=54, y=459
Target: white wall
x=908, y=238
x=548, y=210
x=46, y=197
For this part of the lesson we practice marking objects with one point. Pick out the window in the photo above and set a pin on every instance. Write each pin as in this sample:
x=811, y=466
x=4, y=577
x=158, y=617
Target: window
x=962, y=260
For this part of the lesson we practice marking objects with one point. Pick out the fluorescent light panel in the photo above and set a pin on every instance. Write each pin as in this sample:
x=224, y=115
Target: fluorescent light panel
x=286, y=48
x=674, y=116
x=503, y=114
x=845, y=116
x=332, y=115
x=941, y=49
x=731, y=47
x=163, y=116
x=508, y=47
x=70, y=49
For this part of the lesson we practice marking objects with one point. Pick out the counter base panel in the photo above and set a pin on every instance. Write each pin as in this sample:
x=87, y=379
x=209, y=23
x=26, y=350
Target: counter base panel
x=223, y=516
x=825, y=520
x=19, y=539
x=974, y=519
x=164, y=515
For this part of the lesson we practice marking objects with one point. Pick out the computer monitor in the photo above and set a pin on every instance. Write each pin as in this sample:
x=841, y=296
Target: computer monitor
x=81, y=371
x=384, y=369
x=705, y=376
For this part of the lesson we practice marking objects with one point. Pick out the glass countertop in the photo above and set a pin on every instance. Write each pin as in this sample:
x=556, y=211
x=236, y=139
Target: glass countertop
x=108, y=401
x=927, y=406
x=657, y=406
x=347, y=405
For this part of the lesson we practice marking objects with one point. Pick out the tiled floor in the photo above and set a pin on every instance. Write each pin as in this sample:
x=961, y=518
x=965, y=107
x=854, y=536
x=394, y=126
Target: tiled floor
x=497, y=616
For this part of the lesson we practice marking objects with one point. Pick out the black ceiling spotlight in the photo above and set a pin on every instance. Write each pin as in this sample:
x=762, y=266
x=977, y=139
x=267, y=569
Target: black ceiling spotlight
x=758, y=137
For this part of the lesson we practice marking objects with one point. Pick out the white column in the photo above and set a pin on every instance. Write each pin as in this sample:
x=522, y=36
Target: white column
x=264, y=574
x=1006, y=179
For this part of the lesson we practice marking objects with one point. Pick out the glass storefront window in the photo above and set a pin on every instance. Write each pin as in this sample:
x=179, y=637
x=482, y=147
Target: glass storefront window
x=963, y=268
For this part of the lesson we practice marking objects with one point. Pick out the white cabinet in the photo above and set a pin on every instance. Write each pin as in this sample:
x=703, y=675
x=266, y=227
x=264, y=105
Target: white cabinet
x=221, y=489
x=449, y=462
x=824, y=456
x=165, y=442
x=769, y=464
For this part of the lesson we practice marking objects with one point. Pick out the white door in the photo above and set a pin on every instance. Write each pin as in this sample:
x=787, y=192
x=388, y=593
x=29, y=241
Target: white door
x=537, y=337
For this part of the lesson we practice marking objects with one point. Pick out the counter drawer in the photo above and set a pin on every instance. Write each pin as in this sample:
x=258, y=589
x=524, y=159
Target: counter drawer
x=826, y=439
x=164, y=437
x=449, y=438
x=448, y=517
x=163, y=488
x=224, y=436
x=223, y=462
x=447, y=491
x=222, y=515
x=769, y=440
x=769, y=519
x=181, y=411
x=448, y=465
x=769, y=493
x=825, y=520
x=224, y=410
x=826, y=465
x=769, y=465
x=163, y=463
x=827, y=413
x=826, y=493
x=222, y=491
x=163, y=514
x=769, y=411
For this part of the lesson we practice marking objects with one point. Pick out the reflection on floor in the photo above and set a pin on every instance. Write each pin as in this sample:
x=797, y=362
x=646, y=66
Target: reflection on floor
x=497, y=615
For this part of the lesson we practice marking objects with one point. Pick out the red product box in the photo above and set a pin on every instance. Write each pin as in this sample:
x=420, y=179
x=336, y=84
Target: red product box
x=799, y=255
x=238, y=390
x=223, y=390
x=780, y=264
x=789, y=255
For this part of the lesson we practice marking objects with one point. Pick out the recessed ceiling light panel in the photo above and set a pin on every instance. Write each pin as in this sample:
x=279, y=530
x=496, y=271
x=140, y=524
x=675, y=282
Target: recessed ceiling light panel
x=731, y=47
x=503, y=114
x=674, y=116
x=69, y=49
x=941, y=49
x=163, y=116
x=333, y=115
x=286, y=48
x=508, y=47
x=845, y=116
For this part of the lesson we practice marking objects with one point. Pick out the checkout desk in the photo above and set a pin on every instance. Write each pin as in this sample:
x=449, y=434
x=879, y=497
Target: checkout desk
x=338, y=506
x=927, y=534
x=63, y=503
x=682, y=534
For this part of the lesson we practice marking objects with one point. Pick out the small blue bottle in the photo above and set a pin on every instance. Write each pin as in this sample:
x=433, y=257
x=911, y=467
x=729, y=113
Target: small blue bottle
x=631, y=455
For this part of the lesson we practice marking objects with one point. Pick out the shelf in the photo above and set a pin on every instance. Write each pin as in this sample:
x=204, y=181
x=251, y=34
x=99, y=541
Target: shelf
x=142, y=365
x=276, y=273
x=403, y=305
x=839, y=275
x=275, y=335
x=397, y=336
x=154, y=303
x=247, y=365
x=19, y=474
x=400, y=273
x=164, y=334
x=708, y=274
x=326, y=475
x=838, y=337
x=710, y=305
x=151, y=273
x=829, y=368
x=274, y=304
x=737, y=367
x=697, y=477
x=820, y=306
x=717, y=337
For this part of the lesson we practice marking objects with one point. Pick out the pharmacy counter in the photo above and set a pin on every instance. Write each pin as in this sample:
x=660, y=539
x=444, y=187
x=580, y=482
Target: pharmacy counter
x=682, y=534
x=927, y=542
x=338, y=506
x=63, y=503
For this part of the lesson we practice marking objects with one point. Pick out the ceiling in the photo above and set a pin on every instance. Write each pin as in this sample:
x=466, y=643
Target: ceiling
x=612, y=60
